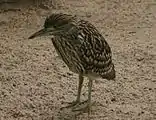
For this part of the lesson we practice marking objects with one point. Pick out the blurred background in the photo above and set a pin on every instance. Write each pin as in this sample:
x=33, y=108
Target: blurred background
x=10, y=4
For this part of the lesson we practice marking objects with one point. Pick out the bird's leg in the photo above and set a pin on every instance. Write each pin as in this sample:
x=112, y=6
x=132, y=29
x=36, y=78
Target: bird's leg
x=79, y=87
x=87, y=107
x=90, y=84
x=78, y=93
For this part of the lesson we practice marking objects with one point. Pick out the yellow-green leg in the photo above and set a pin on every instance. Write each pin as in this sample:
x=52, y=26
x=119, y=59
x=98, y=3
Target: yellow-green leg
x=79, y=87
x=78, y=93
x=88, y=104
x=90, y=84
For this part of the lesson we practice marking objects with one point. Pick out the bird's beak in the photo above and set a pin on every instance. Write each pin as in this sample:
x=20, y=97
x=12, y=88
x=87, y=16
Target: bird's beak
x=41, y=32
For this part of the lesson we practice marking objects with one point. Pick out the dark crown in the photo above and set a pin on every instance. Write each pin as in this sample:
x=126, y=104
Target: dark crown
x=57, y=20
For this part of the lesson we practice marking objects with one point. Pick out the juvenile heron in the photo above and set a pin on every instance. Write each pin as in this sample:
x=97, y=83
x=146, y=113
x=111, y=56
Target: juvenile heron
x=81, y=47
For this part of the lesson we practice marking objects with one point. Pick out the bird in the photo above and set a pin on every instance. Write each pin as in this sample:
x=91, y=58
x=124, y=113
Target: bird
x=82, y=48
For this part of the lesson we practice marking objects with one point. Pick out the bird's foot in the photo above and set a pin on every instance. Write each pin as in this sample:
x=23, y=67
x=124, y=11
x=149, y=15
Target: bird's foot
x=71, y=104
x=83, y=106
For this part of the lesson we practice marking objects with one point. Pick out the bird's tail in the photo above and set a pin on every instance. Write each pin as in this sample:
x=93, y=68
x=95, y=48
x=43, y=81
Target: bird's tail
x=111, y=74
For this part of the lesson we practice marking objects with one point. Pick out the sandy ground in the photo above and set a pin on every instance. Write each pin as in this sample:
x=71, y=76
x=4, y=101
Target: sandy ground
x=35, y=83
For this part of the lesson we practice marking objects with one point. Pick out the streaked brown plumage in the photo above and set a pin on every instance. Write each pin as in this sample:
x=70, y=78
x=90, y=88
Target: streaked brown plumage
x=82, y=48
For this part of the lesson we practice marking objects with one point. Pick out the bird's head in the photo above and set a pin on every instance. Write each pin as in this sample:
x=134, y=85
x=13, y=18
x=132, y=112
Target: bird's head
x=56, y=24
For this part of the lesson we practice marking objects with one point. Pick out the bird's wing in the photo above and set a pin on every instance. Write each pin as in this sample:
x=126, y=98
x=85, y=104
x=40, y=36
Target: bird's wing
x=94, y=51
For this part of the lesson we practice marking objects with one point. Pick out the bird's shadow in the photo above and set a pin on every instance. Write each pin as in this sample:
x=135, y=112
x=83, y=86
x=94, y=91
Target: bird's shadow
x=68, y=114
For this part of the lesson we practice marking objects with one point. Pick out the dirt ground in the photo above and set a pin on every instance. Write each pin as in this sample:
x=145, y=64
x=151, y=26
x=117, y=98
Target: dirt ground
x=35, y=83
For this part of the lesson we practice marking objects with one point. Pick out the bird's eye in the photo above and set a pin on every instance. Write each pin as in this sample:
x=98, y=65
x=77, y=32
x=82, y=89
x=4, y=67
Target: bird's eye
x=54, y=26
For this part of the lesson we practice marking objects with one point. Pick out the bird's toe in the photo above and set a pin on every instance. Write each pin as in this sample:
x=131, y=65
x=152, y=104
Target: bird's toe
x=83, y=106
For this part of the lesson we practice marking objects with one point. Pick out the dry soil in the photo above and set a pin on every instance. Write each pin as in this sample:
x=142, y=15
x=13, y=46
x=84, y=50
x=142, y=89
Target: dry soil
x=35, y=83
